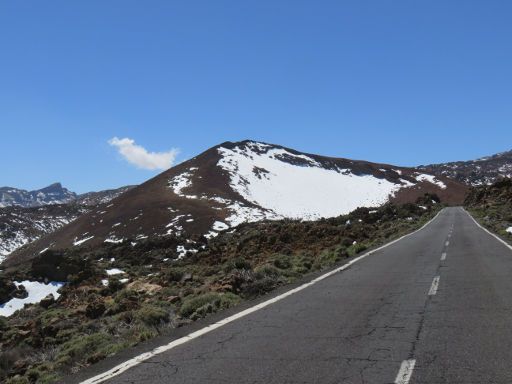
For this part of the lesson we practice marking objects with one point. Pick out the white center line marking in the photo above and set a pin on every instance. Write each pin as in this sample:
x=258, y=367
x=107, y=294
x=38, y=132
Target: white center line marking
x=434, y=286
x=443, y=256
x=447, y=243
x=405, y=372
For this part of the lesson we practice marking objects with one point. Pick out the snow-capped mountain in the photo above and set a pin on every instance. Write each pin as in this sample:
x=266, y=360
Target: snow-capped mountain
x=53, y=194
x=26, y=220
x=246, y=181
x=483, y=171
x=20, y=226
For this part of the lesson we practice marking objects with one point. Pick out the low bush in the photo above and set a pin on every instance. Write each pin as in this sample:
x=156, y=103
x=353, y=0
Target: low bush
x=208, y=302
x=152, y=315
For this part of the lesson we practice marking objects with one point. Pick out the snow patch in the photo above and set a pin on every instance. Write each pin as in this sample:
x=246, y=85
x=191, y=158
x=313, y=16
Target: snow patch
x=36, y=292
x=220, y=226
x=79, y=242
x=182, y=181
x=297, y=186
x=431, y=179
x=114, y=271
x=182, y=251
x=113, y=239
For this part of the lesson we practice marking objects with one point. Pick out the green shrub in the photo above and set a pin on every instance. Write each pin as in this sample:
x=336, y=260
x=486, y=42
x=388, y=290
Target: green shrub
x=174, y=274
x=42, y=374
x=192, y=304
x=114, y=284
x=141, y=333
x=3, y=324
x=266, y=270
x=326, y=258
x=18, y=380
x=81, y=347
x=263, y=286
x=53, y=313
x=240, y=263
x=152, y=315
x=282, y=261
x=358, y=248
x=207, y=303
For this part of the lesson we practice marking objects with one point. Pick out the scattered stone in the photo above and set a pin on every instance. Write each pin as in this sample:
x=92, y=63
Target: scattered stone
x=173, y=299
x=47, y=301
x=143, y=287
x=20, y=292
x=187, y=277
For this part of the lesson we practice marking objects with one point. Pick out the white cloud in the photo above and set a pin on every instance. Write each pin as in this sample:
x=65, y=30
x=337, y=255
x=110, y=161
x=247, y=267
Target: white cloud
x=140, y=157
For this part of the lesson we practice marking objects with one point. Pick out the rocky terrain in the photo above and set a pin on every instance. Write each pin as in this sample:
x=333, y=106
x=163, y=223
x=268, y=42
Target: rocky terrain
x=492, y=205
x=241, y=182
x=53, y=194
x=20, y=226
x=101, y=197
x=27, y=216
x=484, y=171
x=119, y=294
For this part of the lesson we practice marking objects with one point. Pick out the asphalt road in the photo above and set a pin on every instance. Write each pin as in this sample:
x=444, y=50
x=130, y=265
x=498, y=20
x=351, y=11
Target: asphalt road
x=407, y=313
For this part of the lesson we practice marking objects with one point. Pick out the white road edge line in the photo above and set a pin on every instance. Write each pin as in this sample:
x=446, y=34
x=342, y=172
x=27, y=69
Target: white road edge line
x=434, y=286
x=405, y=372
x=118, y=369
x=443, y=256
x=489, y=232
x=447, y=243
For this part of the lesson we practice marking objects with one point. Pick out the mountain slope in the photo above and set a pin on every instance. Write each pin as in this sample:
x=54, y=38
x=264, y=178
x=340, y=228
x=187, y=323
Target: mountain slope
x=492, y=205
x=20, y=226
x=21, y=223
x=245, y=182
x=101, y=197
x=484, y=171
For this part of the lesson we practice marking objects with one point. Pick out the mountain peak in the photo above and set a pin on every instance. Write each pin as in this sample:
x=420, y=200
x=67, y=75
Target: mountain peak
x=246, y=181
x=53, y=194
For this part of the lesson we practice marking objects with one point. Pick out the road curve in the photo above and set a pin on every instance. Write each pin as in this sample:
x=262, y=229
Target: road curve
x=435, y=307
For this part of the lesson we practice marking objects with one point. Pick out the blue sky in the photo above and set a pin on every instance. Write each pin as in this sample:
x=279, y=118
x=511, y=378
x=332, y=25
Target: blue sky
x=402, y=82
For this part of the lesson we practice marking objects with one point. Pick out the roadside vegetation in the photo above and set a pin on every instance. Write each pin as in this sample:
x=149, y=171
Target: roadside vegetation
x=492, y=206
x=98, y=315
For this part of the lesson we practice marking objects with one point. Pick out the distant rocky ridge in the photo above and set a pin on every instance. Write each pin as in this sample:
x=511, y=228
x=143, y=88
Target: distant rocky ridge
x=20, y=226
x=483, y=171
x=54, y=194
x=27, y=216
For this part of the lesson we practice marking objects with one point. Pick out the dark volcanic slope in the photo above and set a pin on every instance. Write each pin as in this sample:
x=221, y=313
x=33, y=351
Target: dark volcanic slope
x=242, y=182
x=482, y=171
x=101, y=197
